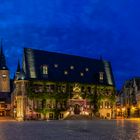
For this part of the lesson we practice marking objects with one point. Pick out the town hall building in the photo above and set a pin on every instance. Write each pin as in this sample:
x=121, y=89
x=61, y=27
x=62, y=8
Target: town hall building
x=52, y=85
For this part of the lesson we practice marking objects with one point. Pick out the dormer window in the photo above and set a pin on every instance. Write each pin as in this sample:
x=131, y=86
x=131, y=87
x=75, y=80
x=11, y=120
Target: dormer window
x=86, y=69
x=101, y=76
x=45, y=69
x=82, y=74
x=66, y=72
x=71, y=67
x=56, y=65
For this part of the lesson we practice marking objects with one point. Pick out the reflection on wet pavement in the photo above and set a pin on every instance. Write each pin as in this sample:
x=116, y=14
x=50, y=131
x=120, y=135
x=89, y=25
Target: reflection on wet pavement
x=71, y=130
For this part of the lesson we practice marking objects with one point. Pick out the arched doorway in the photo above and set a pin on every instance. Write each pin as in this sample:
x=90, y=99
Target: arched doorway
x=77, y=109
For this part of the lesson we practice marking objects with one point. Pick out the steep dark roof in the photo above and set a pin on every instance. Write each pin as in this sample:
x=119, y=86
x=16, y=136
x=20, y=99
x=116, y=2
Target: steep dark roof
x=18, y=67
x=128, y=83
x=20, y=74
x=57, y=63
x=137, y=79
x=3, y=65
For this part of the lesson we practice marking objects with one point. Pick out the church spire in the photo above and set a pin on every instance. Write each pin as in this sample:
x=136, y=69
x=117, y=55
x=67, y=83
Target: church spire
x=18, y=67
x=2, y=58
x=20, y=74
x=17, y=74
x=1, y=47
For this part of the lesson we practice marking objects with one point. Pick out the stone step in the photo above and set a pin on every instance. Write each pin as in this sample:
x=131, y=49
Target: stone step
x=78, y=117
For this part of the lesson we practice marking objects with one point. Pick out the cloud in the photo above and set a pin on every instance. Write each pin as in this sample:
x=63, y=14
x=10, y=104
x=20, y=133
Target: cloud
x=88, y=28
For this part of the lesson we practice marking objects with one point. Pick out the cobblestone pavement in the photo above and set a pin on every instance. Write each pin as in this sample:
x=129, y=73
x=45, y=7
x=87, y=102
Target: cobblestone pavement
x=71, y=130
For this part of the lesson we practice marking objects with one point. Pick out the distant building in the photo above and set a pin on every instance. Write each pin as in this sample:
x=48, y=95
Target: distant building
x=130, y=98
x=55, y=86
x=5, y=99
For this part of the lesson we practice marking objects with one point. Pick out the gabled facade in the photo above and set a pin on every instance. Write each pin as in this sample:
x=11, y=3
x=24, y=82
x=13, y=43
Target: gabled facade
x=57, y=86
x=130, y=98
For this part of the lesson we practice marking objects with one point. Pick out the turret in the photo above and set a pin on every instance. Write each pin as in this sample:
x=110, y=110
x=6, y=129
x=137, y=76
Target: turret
x=20, y=74
x=20, y=93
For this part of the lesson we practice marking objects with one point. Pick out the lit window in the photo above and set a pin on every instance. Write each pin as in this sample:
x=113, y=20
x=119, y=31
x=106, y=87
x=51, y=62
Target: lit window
x=107, y=104
x=87, y=69
x=82, y=74
x=101, y=76
x=56, y=65
x=45, y=69
x=71, y=67
x=101, y=105
x=65, y=72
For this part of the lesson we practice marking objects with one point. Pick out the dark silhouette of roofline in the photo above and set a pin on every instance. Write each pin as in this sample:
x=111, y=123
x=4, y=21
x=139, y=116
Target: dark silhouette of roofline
x=66, y=54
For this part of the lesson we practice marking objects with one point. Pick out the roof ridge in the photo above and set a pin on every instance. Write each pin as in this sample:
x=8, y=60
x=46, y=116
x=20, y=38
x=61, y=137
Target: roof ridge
x=66, y=54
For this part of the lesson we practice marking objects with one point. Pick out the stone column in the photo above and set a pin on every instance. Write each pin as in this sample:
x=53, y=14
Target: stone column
x=21, y=100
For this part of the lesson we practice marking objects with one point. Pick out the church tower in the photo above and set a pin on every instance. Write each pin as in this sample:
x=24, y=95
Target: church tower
x=4, y=73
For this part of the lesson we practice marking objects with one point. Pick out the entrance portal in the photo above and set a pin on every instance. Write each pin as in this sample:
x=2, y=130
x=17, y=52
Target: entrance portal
x=77, y=109
x=77, y=104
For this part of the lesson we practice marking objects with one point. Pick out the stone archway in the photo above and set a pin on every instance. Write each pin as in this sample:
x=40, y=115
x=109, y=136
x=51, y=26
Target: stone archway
x=77, y=108
x=77, y=104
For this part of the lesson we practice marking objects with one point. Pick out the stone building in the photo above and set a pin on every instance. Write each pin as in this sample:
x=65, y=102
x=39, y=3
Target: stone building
x=130, y=98
x=52, y=85
x=5, y=99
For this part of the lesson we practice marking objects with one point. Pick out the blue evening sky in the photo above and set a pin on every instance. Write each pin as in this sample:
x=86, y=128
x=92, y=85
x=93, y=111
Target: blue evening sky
x=90, y=28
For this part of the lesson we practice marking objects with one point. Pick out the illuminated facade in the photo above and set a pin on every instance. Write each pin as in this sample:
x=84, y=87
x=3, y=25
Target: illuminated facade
x=56, y=86
x=130, y=98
